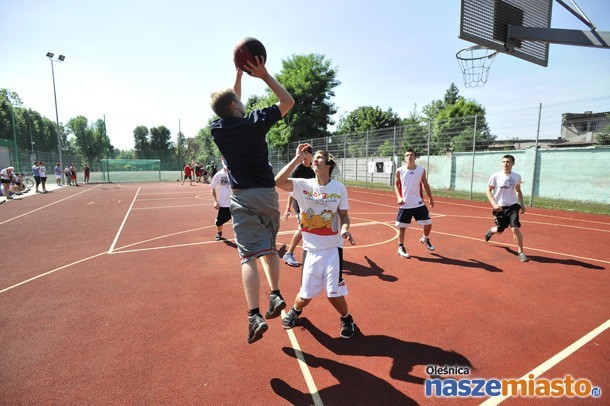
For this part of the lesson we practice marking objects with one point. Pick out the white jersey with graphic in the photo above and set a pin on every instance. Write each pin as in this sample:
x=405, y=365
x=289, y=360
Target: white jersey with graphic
x=410, y=186
x=320, y=219
x=220, y=182
x=504, y=187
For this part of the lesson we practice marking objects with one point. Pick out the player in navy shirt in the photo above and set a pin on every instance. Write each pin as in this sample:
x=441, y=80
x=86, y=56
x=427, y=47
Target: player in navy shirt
x=255, y=212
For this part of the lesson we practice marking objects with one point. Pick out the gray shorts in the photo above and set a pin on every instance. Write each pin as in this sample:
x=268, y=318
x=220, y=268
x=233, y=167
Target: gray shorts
x=256, y=220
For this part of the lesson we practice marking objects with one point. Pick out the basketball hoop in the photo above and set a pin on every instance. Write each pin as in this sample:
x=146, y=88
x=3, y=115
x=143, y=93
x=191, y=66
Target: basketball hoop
x=475, y=63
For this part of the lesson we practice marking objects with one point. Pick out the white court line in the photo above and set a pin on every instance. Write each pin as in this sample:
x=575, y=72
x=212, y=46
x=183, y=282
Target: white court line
x=311, y=385
x=52, y=271
x=556, y=359
x=116, y=238
x=48, y=205
x=170, y=207
x=486, y=208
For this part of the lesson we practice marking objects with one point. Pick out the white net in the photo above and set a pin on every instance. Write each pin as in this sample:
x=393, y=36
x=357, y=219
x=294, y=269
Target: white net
x=475, y=63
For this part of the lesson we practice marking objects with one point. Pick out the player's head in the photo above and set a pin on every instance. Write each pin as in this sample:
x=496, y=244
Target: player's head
x=226, y=104
x=410, y=154
x=510, y=157
x=327, y=159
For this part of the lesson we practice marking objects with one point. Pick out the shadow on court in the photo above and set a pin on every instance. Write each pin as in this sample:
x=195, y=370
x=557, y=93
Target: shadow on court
x=354, y=386
x=371, y=269
x=404, y=354
x=470, y=263
x=550, y=260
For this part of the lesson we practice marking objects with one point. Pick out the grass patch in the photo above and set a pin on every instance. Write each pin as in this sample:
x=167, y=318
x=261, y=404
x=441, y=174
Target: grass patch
x=539, y=202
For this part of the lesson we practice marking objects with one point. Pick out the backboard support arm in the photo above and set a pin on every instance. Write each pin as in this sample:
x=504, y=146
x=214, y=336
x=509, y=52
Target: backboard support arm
x=599, y=39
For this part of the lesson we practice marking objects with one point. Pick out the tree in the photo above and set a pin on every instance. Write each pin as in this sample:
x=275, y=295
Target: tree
x=208, y=151
x=91, y=140
x=311, y=81
x=141, y=142
x=365, y=118
x=160, y=139
x=415, y=133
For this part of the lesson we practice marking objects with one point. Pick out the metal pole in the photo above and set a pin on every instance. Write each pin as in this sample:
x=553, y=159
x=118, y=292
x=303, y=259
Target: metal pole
x=56, y=113
x=15, y=139
x=344, y=155
x=31, y=138
x=429, y=135
x=474, y=143
x=393, y=184
x=535, y=156
x=179, y=149
x=366, y=166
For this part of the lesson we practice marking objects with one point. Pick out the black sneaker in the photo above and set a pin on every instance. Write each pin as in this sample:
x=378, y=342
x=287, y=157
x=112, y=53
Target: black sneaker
x=276, y=305
x=218, y=236
x=347, y=327
x=488, y=235
x=291, y=319
x=257, y=327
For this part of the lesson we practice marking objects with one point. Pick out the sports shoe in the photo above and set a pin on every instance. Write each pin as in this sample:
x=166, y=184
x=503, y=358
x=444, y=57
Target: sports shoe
x=291, y=319
x=289, y=259
x=347, y=327
x=488, y=235
x=218, y=236
x=522, y=257
x=276, y=305
x=257, y=327
x=403, y=252
x=427, y=243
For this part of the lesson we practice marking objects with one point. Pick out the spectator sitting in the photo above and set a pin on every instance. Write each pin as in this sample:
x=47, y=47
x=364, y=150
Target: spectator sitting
x=6, y=177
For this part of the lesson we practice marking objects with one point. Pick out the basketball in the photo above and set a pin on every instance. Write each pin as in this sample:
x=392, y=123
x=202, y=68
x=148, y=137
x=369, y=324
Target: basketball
x=246, y=50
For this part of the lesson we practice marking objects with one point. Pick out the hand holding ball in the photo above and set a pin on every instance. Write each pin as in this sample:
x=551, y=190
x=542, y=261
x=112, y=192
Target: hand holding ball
x=246, y=50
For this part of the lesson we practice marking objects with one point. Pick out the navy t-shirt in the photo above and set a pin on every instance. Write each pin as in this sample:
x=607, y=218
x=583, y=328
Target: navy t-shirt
x=242, y=142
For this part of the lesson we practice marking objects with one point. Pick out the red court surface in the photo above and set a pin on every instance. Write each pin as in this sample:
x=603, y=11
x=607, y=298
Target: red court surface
x=118, y=294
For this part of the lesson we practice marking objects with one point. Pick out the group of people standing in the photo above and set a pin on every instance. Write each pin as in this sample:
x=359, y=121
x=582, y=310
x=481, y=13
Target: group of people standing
x=320, y=203
x=197, y=171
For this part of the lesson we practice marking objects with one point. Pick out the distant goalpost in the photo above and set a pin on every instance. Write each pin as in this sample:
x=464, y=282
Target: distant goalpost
x=131, y=170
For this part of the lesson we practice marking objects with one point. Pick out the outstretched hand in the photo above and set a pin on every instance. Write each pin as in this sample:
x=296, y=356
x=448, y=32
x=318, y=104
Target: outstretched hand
x=348, y=236
x=301, y=150
x=257, y=70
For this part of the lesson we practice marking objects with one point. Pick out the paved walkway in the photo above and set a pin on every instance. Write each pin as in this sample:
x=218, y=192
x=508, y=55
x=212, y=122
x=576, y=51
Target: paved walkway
x=50, y=187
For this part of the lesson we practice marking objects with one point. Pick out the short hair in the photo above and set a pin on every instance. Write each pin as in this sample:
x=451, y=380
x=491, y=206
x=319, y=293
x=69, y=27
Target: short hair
x=328, y=160
x=512, y=158
x=411, y=150
x=221, y=100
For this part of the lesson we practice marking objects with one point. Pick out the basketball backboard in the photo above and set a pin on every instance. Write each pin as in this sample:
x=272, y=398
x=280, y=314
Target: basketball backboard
x=486, y=23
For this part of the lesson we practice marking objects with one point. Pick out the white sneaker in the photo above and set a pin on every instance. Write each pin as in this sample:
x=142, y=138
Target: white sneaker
x=403, y=252
x=427, y=243
x=290, y=259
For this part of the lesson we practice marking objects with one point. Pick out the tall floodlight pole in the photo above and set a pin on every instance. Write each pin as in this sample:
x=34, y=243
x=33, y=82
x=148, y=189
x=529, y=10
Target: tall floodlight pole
x=60, y=58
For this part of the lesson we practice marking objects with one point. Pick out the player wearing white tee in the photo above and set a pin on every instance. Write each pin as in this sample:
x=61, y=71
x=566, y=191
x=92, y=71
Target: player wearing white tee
x=409, y=181
x=221, y=192
x=504, y=194
x=324, y=224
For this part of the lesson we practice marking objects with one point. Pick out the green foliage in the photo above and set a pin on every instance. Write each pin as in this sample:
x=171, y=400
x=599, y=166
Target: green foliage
x=311, y=81
x=90, y=140
x=207, y=150
x=365, y=119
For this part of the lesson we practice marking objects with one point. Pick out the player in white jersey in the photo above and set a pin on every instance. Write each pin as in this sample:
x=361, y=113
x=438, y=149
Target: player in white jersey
x=504, y=194
x=324, y=224
x=221, y=192
x=409, y=181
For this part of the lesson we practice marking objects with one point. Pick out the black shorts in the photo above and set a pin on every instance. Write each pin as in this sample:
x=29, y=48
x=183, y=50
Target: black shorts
x=37, y=179
x=509, y=216
x=420, y=214
x=224, y=215
x=6, y=181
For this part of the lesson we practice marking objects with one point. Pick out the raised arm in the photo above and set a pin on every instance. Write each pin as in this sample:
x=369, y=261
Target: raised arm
x=281, y=179
x=237, y=85
x=286, y=101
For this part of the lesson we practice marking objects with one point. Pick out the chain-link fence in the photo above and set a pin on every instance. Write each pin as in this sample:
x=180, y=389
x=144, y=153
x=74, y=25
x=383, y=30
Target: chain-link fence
x=562, y=152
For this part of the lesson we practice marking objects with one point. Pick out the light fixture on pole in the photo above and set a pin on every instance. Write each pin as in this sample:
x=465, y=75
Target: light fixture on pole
x=60, y=58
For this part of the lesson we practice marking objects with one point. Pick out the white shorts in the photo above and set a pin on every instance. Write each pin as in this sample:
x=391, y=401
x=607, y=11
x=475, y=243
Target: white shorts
x=323, y=269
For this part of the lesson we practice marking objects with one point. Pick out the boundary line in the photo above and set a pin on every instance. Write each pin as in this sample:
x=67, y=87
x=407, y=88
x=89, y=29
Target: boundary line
x=116, y=238
x=556, y=359
x=50, y=204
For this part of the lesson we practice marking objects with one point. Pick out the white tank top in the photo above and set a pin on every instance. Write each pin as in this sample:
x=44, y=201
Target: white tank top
x=411, y=189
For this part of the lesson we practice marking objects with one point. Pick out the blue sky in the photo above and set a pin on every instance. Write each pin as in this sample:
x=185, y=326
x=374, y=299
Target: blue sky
x=156, y=62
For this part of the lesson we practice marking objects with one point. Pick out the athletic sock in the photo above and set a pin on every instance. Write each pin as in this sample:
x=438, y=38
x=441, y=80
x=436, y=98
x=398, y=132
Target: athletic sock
x=254, y=311
x=346, y=316
x=298, y=312
x=277, y=293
